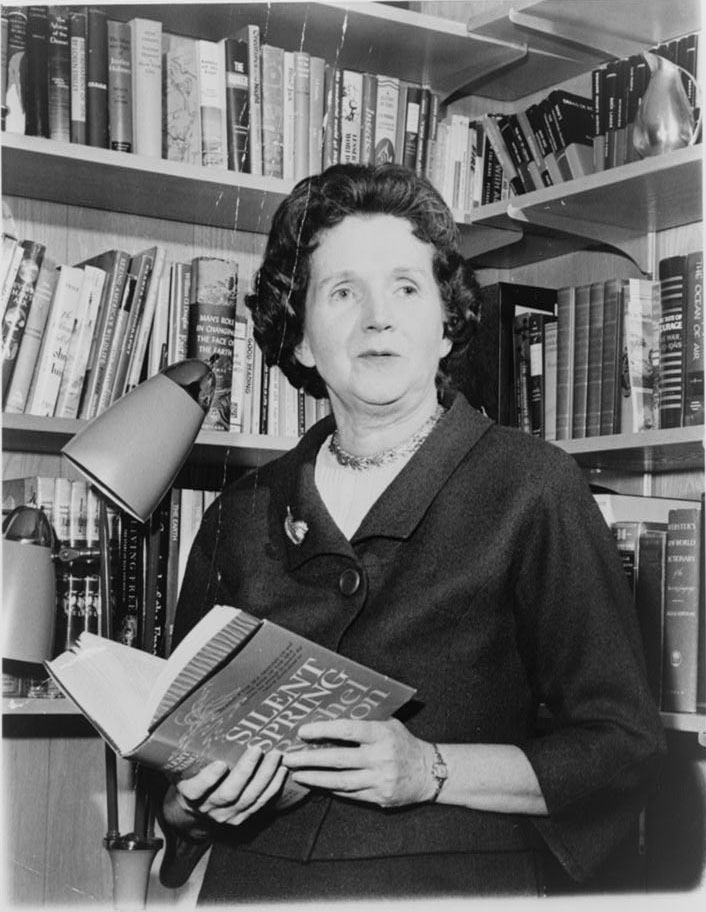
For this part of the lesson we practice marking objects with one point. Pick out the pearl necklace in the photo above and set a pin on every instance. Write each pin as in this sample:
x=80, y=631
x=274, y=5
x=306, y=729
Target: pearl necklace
x=386, y=457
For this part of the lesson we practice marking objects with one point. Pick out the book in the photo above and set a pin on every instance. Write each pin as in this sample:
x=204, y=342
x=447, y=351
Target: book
x=386, y=107
x=137, y=362
x=301, y=113
x=350, y=116
x=181, y=134
x=693, y=327
x=272, y=88
x=251, y=35
x=332, y=116
x=115, y=265
x=29, y=490
x=78, y=25
x=594, y=388
x=672, y=279
x=551, y=362
x=610, y=367
x=238, y=379
x=571, y=116
x=598, y=94
x=582, y=304
x=288, y=117
x=317, y=68
x=141, y=267
x=537, y=325
x=211, y=328
x=18, y=306
x=411, y=123
x=237, y=103
x=640, y=355
x=146, y=78
x=367, y=119
x=683, y=598
x=649, y=602
x=120, y=97
x=97, y=77
x=16, y=62
x=59, y=74
x=234, y=681
x=37, y=109
x=55, y=345
x=17, y=392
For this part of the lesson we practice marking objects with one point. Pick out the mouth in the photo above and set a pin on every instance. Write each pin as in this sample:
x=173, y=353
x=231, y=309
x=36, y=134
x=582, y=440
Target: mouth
x=371, y=354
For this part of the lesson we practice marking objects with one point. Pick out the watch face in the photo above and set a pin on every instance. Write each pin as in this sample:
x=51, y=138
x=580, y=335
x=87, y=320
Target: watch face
x=439, y=771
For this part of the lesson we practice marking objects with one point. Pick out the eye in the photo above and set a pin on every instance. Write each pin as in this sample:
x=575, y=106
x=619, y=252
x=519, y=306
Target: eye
x=406, y=289
x=341, y=293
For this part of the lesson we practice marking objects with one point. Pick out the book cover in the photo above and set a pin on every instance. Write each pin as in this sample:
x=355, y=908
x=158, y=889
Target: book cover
x=272, y=110
x=610, y=367
x=130, y=589
x=288, y=118
x=367, y=119
x=351, y=110
x=551, y=360
x=492, y=130
x=594, y=389
x=640, y=355
x=141, y=267
x=137, y=365
x=424, y=127
x=317, y=88
x=693, y=409
x=638, y=77
x=537, y=324
x=301, y=111
x=598, y=94
x=18, y=390
x=57, y=338
x=581, y=343
x=212, y=307
x=412, y=116
x=234, y=681
x=238, y=380
x=78, y=26
x=181, y=109
x=401, y=121
x=387, y=102
x=573, y=119
x=11, y=259
x=120, y=99
x=28, y=490
x=16, y=79
x=178, y=311
x=237, y=103
x=18, y=306
x=37, y=110
x=97, y=77
x=540, y=115
x=522, y=372
x=115, y=264
x=251, y=35
x=146, y=51
x=649, y=602
x=542, y=176
x=69, y=397
x=683, y=595
x=672, y=280
x=172, y=578
x=333, y=76
x=59, y=74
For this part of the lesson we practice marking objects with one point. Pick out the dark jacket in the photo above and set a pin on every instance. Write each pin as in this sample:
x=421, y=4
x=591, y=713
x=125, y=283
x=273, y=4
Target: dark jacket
x=485, y=577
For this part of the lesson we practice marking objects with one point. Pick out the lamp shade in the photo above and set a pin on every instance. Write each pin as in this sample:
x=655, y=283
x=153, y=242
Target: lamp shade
x=134, y=450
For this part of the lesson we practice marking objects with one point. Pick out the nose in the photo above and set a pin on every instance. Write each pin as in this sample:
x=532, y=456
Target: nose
x=377, y=312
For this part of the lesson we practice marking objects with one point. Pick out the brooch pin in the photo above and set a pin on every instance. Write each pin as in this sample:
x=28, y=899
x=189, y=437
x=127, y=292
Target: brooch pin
x=295, y=529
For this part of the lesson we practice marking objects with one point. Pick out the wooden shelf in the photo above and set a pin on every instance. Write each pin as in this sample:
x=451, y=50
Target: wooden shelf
x=30, y=433
x=26, y=706
x=686, y=722
x=616, y=208
x=668, y=450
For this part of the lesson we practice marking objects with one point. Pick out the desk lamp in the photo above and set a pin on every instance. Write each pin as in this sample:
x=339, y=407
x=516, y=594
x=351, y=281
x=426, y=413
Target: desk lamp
x=132, y=453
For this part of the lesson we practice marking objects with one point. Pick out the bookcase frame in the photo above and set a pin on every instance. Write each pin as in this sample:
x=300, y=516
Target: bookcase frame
x=456, y=58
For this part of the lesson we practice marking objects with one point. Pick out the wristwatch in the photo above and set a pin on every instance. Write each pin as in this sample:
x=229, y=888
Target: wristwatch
x=439, y=771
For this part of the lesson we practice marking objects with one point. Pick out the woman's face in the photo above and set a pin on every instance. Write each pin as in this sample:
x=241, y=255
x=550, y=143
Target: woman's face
x=374, y=321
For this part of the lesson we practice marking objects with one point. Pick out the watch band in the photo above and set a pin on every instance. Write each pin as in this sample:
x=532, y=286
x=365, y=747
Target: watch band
x=439, y=771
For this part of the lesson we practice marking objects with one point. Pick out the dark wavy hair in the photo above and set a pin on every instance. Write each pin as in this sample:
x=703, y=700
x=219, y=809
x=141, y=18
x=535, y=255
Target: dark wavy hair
x=323, y=201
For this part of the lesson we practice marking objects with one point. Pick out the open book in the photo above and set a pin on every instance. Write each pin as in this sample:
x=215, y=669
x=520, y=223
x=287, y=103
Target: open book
x=233, y=681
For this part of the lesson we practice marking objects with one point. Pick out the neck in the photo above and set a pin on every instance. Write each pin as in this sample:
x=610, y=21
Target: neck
x=380, y=428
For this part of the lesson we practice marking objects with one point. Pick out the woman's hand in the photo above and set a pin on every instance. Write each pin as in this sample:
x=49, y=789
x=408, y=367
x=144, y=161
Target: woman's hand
x=225, y=796
x=380, y=762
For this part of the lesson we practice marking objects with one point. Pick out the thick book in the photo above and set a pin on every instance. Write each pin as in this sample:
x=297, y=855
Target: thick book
x=97, y=77
x=59, y=74
x=146, y=76
x=367, y=120
x=581, y=343
x=120, y=99
x=272, y=88
x=37, y=111
x=317, y=70
x=672, y=281
x=387, y=104
x=78, y=25
x=640, y=355
x=594, y=383
x=537, y=324
x=181, y=115
x=610, y=368
x=571, y=122
x=237, y=103
x=211, y=328
x=234, y=681
x=141, y=267
x=693, y=404
x=16, y=62
x=683, y=610
x=18, y=306
x=649, y=602
x=212, y=104
x=566, y=314
x=301, y=113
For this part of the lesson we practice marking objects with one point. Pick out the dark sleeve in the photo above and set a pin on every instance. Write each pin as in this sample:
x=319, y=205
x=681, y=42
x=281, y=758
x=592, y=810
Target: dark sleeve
x=601, y=758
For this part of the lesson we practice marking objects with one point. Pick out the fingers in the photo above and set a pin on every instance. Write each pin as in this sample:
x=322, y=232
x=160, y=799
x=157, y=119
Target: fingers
x=342, y=730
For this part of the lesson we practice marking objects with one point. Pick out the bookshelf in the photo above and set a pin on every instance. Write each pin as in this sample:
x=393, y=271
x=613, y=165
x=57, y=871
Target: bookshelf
x=504, y=53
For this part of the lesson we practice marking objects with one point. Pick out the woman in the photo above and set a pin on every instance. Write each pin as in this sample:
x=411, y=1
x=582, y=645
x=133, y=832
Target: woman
x=412, y=534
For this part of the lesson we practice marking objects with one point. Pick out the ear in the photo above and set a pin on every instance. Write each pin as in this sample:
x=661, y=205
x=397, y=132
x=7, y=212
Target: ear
x=445, y=347
x=304, y=354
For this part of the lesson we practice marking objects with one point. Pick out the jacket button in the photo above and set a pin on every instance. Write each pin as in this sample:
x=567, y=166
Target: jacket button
x=349, y=581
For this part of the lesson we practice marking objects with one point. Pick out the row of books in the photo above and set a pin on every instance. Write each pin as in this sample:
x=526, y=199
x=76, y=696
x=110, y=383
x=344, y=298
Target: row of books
x=73, y=509
x=660, y=541
x=78, y=337
x=619, y=356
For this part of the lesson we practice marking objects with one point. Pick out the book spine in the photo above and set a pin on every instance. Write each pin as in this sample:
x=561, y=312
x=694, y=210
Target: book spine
x=181, y=114
x=16, y=91
x=424, y=126
x=302, y=104
x=238, y=380
x=317, y=69
x=351, y=105
x=77, y=34
x=332, y=117
x=212, y=307
x=386, y=119
x=120, y=98
x=565, y=362
x=672, y=274
x=681, y=613
x=146, y=49
x=252, y=33
x=131, y=578
x=37, y=122
x=237, y=104
x=97, y=77
x=367, y=132
x=693, y=340
x=146, y=326
x=19, y=306
x=610, y=367
x=640, y=343
x=536, y=323
x=59, y=74
x=172, y=581
x=581, y=343
x=551, y=331
x=594, y=381
x=649, y=603
x=288, y=118
x=272, y=111
x=142, y=270
x=410, y=142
